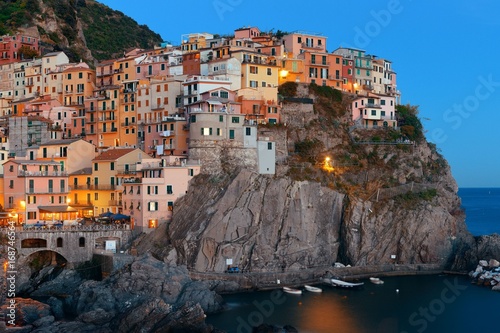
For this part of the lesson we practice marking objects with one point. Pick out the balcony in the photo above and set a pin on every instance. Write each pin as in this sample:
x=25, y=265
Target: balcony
x=367, y=87
x=24, y=173
x=104, y=187
x=158, y=107
x=104, y=73
x=80, y=203
x=334, y=77
x=115, y=203
x=165, y=134
x=311, y=46
x=132, y=181
x=128, y=124
x=321, y=63
x=90, y=110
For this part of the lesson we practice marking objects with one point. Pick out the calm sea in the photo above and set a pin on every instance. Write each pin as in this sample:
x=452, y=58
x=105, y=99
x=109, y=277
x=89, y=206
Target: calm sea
x=482, y=210
x=402, y=304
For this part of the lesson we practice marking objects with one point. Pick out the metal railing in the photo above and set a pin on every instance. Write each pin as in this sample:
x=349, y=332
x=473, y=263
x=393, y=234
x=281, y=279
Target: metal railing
x=59, y=228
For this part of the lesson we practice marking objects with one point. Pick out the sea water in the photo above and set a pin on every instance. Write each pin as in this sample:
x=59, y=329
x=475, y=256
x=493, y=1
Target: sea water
x=435, y=303
x=482, y=210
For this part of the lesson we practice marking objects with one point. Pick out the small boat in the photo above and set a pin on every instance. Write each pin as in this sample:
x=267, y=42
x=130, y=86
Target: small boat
x=376, y=280
x=292, y=291
x=344, y=284
x=313, y=289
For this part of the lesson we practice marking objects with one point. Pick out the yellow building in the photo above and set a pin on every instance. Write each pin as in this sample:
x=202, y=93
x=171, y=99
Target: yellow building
x=105, y=182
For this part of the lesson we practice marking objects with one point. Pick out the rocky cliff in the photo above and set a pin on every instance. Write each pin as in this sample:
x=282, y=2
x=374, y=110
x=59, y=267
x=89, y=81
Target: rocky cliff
x=367, y=204
x=84, y=29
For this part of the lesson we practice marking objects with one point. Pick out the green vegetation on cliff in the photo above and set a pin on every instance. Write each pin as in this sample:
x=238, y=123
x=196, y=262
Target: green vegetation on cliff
x=107, y=32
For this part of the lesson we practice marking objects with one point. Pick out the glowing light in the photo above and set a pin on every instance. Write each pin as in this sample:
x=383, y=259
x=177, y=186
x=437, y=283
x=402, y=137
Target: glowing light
x=283, y=73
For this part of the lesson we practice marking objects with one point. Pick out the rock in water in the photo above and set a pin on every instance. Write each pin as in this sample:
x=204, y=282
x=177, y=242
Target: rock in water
x=483, y=263
x=493, y=263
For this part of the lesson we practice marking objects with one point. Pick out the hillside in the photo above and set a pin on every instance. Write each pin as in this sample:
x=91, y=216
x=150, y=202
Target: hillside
x=381, y=197
x=83, y=29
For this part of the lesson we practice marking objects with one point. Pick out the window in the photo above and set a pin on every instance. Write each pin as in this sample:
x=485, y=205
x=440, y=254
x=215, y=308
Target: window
x=264, y=84
x=191, y=172
x=254, y=70
x=231, y=134
x=248, y=131
x=170, y=205
x=59, y=242
x=224, y=94
x=51, y=186
x=374, y=112
x=269, y=146
x=81, y=242
x=193, y=118
x=69, y=76
x=254, y=84
x=313, y=59
x=206, y=131
x=80, y=75
x=63, y=185
x=382, y=102
x=235, y=120
x=153, y=206
x=96, y=167
x=269, y=71
x=96, y=196
x=169, y=189
x=221, y=118
x=112, y=165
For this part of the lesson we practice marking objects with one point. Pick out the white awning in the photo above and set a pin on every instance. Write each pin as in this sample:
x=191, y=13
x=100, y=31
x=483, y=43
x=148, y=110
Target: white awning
x=214, y=102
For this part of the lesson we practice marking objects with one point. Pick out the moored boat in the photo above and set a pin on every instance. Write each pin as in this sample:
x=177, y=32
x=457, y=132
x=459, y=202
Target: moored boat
x=292, y=291
x=313, y=289
x=344, y=284
x=376, y=280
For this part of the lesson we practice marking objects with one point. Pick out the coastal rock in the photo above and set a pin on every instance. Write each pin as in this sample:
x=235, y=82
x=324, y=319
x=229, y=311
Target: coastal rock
x=28, y=311
x=493, y=263
x=496, y=287
x=483, y=263
x=199, y=292
x=44, y=321
x=249, y=220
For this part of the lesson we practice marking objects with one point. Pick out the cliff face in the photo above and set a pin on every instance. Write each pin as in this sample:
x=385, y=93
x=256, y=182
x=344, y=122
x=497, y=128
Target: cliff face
x=261, y=223
x=375, y=204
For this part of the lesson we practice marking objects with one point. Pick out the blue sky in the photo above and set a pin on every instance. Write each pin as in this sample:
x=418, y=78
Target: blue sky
x=446, y=54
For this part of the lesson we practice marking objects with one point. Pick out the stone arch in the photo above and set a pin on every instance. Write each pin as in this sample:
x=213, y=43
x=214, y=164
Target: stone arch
x=58, y=257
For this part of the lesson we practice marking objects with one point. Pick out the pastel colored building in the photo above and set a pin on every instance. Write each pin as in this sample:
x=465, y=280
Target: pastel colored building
x=10, y=46
x=298, y=42
x=375, y=111
x=363, y=83
x=6, y=83
x=151, y=190
x=37, y=190
x=107, y=169
x=71, y=154
x=102, y=118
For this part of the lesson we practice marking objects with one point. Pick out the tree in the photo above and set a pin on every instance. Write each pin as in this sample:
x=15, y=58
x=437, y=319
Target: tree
x=25, y=52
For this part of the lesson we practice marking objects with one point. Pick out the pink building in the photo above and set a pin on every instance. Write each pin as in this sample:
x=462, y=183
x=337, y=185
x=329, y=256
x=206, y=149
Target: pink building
x=10, y=45
x=37, y=190
x=150, y=192
x=375, y=111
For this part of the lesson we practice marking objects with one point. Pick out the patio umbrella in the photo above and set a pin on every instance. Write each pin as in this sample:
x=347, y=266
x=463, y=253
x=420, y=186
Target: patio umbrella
x=119, y=217
x=106, y=214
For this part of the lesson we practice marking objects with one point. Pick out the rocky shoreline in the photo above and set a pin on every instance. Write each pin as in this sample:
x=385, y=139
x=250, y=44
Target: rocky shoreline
x=487, y=273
